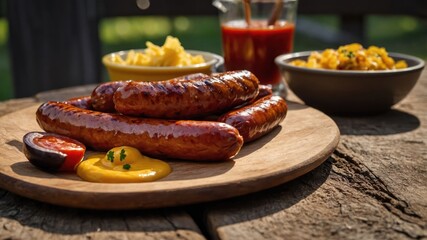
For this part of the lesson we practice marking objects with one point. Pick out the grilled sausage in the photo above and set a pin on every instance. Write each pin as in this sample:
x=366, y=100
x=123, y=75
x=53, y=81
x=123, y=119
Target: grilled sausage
x=264, y=90
x=186, y=99
x=185, y=139
x=102, y=95
x=258, y=118
x=81, y=102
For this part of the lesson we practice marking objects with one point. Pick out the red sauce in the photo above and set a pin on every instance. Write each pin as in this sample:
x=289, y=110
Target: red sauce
x=73, y=150
x=255, y=48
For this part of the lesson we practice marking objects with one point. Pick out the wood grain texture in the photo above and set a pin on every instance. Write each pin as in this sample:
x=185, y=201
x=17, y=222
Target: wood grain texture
x=65, y=93
x=15, y=104
x=303, y=141
x=21, y=218
x=372, y=187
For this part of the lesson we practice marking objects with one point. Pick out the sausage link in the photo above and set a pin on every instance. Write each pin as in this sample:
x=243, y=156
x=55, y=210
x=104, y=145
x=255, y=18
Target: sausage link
x=102, y=95
x=81, y=102
x=185, y=139
x=258, y=118
x=186, y=99
x=264, y=90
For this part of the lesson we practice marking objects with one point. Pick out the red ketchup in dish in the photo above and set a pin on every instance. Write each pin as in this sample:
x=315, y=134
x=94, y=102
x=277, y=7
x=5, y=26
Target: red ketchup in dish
x=53, y=152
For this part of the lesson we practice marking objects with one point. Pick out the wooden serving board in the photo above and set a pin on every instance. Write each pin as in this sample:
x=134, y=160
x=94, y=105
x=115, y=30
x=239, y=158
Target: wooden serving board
x=304, y=140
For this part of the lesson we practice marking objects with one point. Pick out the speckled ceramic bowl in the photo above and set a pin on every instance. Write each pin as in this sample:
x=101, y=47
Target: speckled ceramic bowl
x=346, y=92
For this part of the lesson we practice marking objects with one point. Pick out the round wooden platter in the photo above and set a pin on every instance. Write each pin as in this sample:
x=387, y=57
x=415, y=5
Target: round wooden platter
x=303, y=141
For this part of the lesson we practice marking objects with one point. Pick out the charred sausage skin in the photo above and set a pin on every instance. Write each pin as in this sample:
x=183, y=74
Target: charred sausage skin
x=186, y=99
x=81, y=102
x=264, y=90
x=184, y=139
x=257, y=119
x=102, y=95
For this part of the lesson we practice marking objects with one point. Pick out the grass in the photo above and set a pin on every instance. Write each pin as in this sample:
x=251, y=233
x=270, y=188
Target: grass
x=396, y=33
x=201, y=33
x=5, y=74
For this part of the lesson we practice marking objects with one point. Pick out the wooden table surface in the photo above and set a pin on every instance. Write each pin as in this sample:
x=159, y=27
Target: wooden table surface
x=374, y=186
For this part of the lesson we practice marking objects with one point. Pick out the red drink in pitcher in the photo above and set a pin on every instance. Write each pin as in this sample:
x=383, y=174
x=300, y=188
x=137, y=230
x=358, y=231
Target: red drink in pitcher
x=254, y=48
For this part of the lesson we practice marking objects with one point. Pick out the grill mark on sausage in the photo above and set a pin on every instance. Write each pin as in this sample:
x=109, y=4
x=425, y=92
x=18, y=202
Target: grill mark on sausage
x=258, y=118
x=81, y=102
x=180, y=139
x=102, y=95
x=186, y=98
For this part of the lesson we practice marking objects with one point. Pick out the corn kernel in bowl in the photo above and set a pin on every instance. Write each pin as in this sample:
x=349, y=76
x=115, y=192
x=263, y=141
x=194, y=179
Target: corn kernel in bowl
x=351, y=57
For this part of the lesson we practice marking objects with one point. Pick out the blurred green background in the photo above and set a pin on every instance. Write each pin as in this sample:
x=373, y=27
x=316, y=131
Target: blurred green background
x=403, y=34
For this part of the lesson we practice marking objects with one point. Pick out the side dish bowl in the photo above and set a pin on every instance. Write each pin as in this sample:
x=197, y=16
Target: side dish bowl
x=119, y=72
x=350, y=92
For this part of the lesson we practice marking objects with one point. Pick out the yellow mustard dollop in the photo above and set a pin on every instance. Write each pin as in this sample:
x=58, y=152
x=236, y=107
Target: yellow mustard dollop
x=122, y=165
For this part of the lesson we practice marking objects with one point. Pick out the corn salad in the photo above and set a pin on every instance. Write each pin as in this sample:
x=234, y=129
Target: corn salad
x=352, y=57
